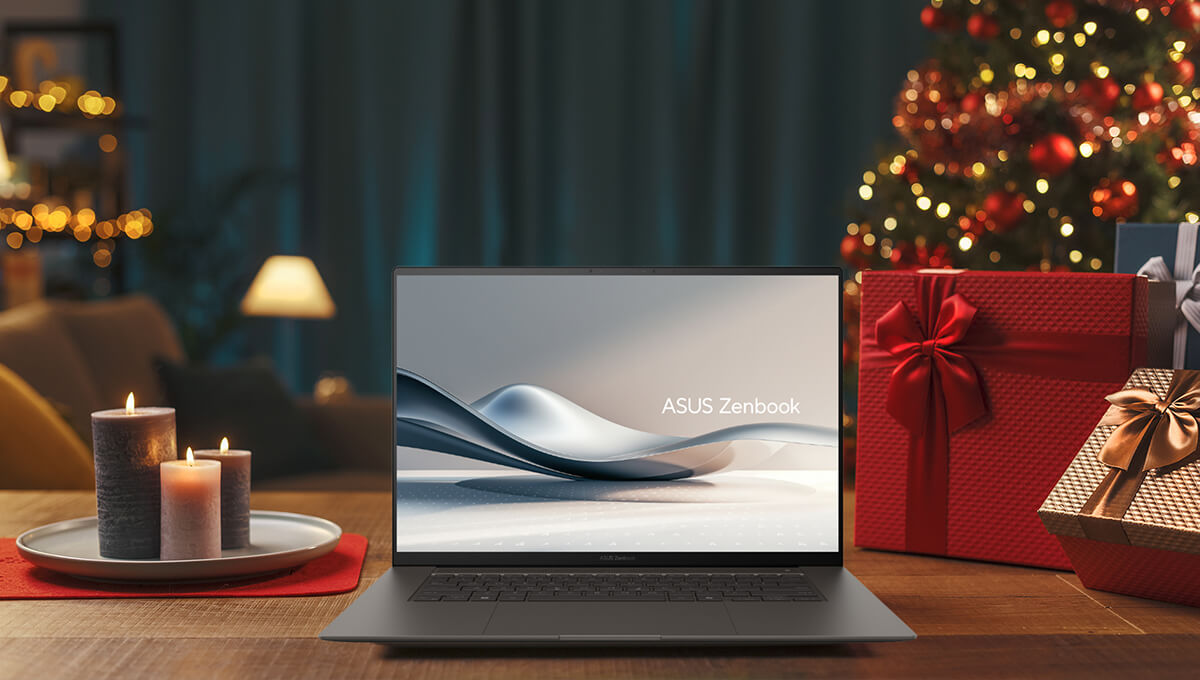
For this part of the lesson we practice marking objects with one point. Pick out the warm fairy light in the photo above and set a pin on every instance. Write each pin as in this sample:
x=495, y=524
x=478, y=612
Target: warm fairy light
x=868, y=239
x=191, y=459
x=917, y=188
x=129, y=404
x=1002, y=155
x=1100, y=70
x=1095, y=263
x=943, y=210
x=994, y=256
x=865, y=192
x=1066, y=229
x=965, y=243
x=1041, y=38
x=1080, y=39
x=868, y=177
x=986, y=74
x=1029, y=206
x=1075, y=256
x=108, y=143
x=852, y=228
x=1173, y=181
x=923, y=202
x=1142, y=14
x=1089, y=27
x=889, y=223
x=1059, y=36
x=224, y=444
x=978, y=169
x=1085, y=149
x=1042, y=185
x=1192, y=217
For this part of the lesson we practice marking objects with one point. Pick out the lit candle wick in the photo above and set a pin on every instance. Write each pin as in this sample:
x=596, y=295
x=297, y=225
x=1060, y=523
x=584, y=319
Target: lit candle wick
x=129, y=404
x=224, y=444
x=191, y=460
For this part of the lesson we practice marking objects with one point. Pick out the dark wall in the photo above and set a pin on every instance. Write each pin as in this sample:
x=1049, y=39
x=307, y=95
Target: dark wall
x=501, y=132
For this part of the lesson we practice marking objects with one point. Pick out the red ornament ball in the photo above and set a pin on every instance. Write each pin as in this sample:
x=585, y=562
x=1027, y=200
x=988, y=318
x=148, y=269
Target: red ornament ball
x=1101, y=93
x=933, y=18
x=1147, y=96
x=1060, y=12
x=1186, y=15
x=1052, y=154
x=1182, y=71
x=971, y=102
x=1115, y=199
x=854, y=251
x=1004, y=209
x=982, y=26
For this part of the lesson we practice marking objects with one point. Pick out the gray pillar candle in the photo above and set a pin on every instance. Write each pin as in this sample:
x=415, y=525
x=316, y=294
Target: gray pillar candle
x=235, y=493
x=129, y=444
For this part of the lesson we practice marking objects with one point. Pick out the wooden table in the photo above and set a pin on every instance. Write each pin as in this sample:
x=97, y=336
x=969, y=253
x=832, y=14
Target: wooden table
x=973, y=620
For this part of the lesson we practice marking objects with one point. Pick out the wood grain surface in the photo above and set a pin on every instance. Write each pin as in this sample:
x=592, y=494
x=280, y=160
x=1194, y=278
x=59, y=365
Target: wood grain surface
x=972, y=619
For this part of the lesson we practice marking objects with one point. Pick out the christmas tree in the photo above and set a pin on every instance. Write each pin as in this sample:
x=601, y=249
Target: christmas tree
x=1035, y=127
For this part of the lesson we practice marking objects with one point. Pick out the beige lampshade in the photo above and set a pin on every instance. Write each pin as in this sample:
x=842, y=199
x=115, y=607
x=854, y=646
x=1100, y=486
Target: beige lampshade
x=288, y=286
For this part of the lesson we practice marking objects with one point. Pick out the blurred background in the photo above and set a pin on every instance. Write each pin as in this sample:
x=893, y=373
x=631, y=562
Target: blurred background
x=200, y=199
x=365, y=135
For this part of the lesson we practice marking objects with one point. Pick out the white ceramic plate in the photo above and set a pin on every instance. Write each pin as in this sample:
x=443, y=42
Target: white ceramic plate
x=278, y=540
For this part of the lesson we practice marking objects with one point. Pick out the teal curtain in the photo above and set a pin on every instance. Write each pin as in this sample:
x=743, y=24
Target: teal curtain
x=498, y=132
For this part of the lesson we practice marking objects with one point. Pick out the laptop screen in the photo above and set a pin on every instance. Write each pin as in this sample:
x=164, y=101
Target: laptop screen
x=615, y=414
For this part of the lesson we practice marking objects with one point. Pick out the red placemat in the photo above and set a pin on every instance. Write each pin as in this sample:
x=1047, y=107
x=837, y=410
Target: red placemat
x=336, y=572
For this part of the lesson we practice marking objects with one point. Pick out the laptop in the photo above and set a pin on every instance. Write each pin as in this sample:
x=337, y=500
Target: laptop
x=614, y=455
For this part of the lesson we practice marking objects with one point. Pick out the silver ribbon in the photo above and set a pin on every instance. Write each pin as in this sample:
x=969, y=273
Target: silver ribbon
x=1187, y=286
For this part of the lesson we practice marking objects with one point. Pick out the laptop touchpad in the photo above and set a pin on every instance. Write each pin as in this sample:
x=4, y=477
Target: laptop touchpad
x=610, y=619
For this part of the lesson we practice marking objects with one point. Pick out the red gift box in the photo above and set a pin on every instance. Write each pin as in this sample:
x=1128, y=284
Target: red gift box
x=975, y=391
x=1125, y=509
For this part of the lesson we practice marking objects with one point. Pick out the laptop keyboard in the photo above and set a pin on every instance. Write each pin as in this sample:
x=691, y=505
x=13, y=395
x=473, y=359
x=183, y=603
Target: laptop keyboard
x=456, y=586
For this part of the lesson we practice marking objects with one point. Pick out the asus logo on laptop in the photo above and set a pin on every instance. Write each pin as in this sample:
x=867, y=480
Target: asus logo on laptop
x=617, y=558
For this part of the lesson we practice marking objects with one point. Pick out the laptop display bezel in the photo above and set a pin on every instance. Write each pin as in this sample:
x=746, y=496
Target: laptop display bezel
x=637, y=559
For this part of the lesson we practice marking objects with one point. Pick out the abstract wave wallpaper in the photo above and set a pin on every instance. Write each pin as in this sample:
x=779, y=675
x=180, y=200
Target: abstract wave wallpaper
x=574, y=413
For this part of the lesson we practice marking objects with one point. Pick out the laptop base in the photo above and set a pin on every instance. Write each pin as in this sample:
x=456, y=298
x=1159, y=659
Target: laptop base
x=385, y=614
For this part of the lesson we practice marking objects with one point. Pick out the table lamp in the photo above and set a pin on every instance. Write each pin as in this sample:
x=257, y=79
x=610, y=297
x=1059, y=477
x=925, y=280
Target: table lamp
x=289, y=287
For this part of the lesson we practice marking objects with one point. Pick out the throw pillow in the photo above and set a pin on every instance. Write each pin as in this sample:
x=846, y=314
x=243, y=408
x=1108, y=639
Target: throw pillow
x=38, y=449
x=248, y=404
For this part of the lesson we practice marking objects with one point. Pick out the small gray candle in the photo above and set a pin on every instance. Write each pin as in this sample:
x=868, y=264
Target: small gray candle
x=235, y=493
x=129, y=445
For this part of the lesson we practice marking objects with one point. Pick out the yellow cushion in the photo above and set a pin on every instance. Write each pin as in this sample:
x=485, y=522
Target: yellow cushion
x=38, y=449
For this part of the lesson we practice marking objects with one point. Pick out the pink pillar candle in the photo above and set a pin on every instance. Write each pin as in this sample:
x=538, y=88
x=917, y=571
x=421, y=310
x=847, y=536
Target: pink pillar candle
x=191, y=509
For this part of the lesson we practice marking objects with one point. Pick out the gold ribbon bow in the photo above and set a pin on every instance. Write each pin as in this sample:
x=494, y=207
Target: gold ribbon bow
x=1151, y=433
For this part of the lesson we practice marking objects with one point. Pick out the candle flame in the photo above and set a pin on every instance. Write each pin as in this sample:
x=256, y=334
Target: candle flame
x=190, y=458
x=129, y=404
x=224, y=444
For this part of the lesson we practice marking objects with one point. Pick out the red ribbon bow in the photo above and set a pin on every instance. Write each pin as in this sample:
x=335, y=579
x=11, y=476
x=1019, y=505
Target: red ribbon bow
x=929, y=369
